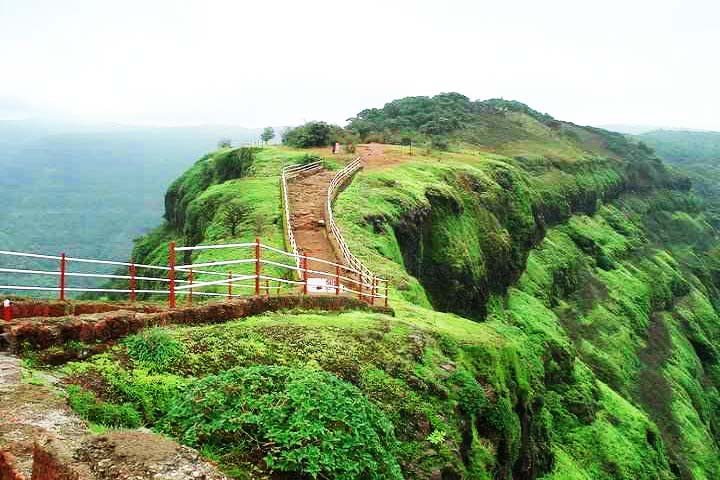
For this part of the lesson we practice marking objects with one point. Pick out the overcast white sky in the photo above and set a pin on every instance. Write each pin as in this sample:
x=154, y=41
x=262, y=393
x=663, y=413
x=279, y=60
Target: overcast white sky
x=256, y=63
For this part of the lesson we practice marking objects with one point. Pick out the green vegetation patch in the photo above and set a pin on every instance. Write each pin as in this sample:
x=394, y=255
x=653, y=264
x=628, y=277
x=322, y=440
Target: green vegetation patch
x=297, y=420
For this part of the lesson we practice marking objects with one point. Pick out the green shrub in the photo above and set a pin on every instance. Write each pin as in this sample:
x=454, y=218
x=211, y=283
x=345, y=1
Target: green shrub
x=299, y=420
x=312, y=134
x=235, y=164
x=440, y=142
x=470, y=396
x=90, y=408
x=155, y=349
x=309, y=158
x=149, y=393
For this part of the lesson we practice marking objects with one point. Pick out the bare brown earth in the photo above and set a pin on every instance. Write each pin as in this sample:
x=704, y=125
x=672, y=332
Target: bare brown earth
x=307, y=195
x=377, y=156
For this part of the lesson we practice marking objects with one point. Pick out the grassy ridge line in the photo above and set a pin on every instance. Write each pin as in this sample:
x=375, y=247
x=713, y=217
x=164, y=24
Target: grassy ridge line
x=492, y=210
x=195, y=204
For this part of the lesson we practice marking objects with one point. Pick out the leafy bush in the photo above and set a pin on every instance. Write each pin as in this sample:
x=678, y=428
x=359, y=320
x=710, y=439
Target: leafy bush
x=235, y=164
x=151, y=394
x=309, y=158
x=470, y=395
x=155, y=349
x=90, y=408
x=440, y=142
x=312, y=134
x=437, y=437
x=300, y=420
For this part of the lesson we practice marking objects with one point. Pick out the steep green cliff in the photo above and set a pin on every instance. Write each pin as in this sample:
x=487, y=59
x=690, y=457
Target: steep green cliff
x=556, y=297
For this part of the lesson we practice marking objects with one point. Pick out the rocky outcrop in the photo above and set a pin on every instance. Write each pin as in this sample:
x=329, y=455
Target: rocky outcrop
x=42, y=439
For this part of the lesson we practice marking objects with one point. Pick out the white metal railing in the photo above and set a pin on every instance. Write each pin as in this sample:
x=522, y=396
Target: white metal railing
x=351, y=278
x=337, y=183
x=341, y=282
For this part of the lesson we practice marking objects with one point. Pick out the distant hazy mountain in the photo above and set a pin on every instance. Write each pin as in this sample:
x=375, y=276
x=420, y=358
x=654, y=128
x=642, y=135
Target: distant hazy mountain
x=89, y=190
x=698, y=154
x=684, y=145
x=630, y=129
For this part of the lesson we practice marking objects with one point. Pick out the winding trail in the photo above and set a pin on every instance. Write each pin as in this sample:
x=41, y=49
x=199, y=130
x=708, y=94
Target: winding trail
x=307, y=196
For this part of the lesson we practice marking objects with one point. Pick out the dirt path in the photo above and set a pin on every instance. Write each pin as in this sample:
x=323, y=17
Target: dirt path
x=377, y=156
x=307, y=197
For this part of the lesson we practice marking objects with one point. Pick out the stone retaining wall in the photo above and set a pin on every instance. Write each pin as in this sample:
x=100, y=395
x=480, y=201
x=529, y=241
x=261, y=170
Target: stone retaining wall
x=39, y=308
x=42, y=333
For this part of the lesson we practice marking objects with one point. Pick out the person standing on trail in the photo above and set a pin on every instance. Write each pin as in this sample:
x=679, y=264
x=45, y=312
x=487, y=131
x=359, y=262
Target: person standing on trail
x=334, y=145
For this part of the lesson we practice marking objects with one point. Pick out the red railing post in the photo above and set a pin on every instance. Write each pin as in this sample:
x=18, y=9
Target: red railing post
x=257, y=266
x=62, y=276
x=337, y=280
x=305, y=275
x=171, y=274
x=386, y=293
x=373, y=289
x=132, y=280
x=230, y=277
x=190, y=282
x=7, y=310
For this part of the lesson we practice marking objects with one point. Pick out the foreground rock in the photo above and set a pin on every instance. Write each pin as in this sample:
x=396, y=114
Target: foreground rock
x=42, y=439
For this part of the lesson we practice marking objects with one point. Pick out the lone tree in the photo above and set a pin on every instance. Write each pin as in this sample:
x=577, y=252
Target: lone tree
x=267, y=134
x=224, y=143
x=233, y=214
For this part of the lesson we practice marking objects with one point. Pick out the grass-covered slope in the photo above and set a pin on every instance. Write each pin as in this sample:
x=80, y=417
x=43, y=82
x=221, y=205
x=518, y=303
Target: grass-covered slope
x=698, y=155
x=196, y=203
x=684, y=146
x=556, y=317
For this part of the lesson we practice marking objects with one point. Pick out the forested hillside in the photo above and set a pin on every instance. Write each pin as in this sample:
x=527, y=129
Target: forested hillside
x=698, y=154
x=684, y=146
x=556, y=296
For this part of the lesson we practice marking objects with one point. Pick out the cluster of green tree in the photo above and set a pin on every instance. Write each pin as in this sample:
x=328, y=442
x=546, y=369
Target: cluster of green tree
x=684, y=146
x=697, y=154
x=435, y=119
x=316, y=134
